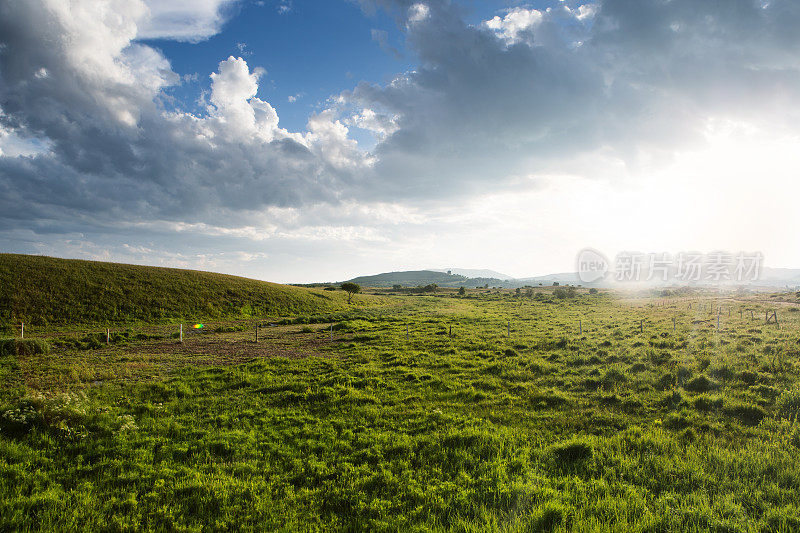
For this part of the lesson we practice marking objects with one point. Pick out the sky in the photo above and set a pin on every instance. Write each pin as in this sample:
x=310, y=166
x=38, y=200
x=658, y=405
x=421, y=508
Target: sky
x=301, y=141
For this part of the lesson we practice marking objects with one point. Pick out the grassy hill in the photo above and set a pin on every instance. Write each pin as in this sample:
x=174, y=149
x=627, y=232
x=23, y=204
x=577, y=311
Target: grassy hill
x=46, y=290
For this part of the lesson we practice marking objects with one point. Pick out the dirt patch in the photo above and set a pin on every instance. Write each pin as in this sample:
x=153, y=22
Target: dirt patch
x=64, y=369
x=233, y=351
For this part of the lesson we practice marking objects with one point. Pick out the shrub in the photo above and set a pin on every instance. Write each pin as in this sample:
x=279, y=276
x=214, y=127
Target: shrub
x=23, y=347
x=65, y=415
x=562, y=293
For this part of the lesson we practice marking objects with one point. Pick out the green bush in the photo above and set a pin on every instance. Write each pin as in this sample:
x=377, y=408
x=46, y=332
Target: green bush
x=23, y=347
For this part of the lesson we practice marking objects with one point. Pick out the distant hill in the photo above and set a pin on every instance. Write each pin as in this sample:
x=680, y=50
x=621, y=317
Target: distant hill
x=475, y=273
x=46, y=290
x=770, y=277
x=562, y=278
x=780, y=276
x=411, y=278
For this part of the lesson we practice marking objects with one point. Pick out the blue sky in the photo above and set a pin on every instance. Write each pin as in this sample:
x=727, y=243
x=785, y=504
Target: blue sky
x=310, y=50
x=300, y=141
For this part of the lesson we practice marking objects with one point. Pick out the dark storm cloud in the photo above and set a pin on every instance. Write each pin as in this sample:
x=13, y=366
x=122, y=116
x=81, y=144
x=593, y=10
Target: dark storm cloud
x=493, y=101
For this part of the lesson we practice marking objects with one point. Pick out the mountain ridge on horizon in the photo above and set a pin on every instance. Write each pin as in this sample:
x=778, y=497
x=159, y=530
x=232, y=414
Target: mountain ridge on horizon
x=474, y=272
x=769, y=277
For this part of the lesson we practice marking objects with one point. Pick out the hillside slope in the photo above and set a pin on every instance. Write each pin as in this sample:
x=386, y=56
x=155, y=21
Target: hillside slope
x=46, y=290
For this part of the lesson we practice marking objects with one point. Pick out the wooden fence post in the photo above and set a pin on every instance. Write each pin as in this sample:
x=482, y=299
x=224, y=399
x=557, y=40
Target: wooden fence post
x=181, y=333
x=108, y=336
x=22, y=331
x=580, y=327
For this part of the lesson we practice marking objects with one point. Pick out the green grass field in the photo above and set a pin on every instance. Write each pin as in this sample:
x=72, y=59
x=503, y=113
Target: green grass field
x=421, y=413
